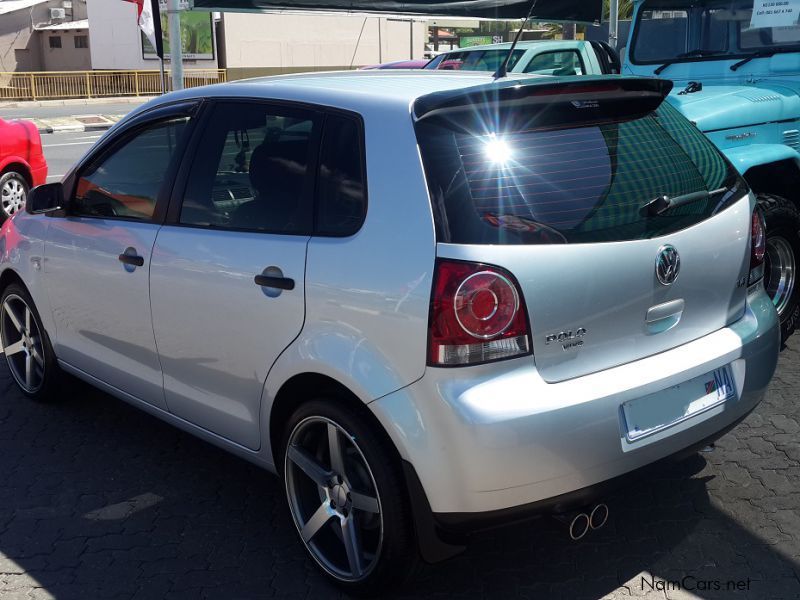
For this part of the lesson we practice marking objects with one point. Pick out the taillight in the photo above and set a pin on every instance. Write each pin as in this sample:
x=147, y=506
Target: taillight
x=758, y=246
x=477, y=315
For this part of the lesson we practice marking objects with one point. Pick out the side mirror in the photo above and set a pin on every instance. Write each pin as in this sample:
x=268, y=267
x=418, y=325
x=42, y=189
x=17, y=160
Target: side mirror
x=45, y=198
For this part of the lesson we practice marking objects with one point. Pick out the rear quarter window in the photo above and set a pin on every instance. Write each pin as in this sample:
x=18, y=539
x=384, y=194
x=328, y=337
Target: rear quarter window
x=341, y=184
x=523, y=184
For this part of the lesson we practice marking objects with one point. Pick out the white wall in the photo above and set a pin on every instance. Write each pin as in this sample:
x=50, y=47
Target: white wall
x=115, y=41
x=283, y=43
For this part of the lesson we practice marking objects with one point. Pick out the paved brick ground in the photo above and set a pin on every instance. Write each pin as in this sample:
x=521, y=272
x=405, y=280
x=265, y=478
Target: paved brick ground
x=98, y=500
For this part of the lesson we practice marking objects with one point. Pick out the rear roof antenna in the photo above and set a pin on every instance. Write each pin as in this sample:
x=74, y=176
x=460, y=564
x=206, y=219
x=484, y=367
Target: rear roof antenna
x=502, y=70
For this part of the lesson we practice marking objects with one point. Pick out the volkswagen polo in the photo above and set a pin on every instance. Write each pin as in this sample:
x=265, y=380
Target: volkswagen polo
x=430, y=302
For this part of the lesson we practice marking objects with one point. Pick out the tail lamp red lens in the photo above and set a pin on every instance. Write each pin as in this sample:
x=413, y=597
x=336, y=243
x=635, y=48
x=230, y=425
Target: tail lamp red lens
x=477, y=315
x=758, y=246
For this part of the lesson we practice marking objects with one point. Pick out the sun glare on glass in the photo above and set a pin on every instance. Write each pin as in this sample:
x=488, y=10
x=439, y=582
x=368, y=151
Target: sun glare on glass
x=497, y=150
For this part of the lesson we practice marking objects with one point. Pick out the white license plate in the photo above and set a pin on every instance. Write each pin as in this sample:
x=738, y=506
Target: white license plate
x=651, y=414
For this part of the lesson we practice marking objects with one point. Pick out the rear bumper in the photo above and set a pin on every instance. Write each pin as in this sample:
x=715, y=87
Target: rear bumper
x=490, y=442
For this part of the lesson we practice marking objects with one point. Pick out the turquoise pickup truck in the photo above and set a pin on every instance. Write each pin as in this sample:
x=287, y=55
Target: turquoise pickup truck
x=737, y=78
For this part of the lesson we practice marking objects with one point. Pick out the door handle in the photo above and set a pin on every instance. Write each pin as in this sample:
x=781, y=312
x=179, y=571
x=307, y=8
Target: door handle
x=281, y=283
x=131, y=259
x=664, y=311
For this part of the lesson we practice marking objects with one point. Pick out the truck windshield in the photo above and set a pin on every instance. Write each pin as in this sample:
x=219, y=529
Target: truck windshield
x=668, y=31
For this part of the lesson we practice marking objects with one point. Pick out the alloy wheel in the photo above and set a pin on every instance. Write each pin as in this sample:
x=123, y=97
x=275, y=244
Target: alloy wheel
x=779, y=272
x=22, y=343
x=333, y=499
x=13, y=196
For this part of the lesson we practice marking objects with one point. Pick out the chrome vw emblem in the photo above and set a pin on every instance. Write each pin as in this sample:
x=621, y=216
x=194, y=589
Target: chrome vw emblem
x=668, y=264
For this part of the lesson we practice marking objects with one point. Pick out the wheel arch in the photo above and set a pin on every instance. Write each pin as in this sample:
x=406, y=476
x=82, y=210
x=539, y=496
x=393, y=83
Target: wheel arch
x=780, y=178
x=20, y=167
x=306, y=386
x=9, y=276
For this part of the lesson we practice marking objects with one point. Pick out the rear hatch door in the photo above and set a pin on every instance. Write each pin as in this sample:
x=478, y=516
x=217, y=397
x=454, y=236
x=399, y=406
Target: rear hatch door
x=552, y=188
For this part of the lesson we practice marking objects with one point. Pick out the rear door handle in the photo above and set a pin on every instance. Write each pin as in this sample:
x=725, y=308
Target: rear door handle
x=281, y=283
x=131, y=259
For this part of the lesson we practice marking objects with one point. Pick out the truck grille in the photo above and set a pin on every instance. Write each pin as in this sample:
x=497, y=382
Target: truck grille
x=791, y=138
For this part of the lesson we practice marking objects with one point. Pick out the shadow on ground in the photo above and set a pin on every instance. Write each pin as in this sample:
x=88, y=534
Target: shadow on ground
x=99, y=500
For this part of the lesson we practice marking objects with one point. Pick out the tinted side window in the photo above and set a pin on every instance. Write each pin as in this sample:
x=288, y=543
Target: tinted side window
x=342, y=190
x=126, y=183
x=251, y=170
x=490, y=60
x=452, y=61
x=563, y=63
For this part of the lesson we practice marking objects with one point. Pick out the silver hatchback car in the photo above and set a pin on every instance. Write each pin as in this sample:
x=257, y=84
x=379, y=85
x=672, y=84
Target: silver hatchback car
x=431, y=302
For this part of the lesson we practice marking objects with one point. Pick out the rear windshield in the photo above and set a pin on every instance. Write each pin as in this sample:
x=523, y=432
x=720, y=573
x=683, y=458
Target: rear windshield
x=520, y=184
x=475, y=60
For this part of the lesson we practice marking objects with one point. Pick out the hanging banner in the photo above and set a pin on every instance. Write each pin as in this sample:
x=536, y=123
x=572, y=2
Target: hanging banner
x=583, y=11
x=775, y=13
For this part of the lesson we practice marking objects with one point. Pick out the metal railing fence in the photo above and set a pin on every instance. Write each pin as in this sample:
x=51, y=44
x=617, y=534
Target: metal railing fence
x=53, y=85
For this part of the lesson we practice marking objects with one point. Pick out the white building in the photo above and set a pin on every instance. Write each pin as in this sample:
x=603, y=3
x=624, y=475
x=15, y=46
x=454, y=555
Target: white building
x=64, y=35
x=250, y=44
x=255, y=44
x=117, y=42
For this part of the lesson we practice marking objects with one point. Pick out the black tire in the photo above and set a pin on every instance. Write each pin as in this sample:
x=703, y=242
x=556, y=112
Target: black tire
x=14, y=190
x=782, y=259
x=397, y=556
x=36, y=342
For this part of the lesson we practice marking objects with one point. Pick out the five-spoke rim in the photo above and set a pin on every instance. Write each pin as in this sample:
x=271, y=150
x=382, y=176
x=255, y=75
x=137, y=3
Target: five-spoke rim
x=780, y=272
x=334, y=499
x=13, y=196
x=22, y=343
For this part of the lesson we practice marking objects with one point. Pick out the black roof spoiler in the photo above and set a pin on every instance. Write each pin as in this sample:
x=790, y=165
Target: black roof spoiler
x=639, y=95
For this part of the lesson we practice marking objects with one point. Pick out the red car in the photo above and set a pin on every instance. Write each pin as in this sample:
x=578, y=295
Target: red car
x=22, y=164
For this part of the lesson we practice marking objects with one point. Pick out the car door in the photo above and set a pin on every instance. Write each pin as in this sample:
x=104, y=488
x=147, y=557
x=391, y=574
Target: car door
x=97, y=256
x=228, y=267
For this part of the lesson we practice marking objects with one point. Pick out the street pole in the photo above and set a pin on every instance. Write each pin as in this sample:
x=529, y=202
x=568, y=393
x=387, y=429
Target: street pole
x=613, y=22
x=175, y=51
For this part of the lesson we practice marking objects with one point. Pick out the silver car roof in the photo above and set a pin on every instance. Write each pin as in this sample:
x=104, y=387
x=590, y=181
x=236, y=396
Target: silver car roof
x=352, y=90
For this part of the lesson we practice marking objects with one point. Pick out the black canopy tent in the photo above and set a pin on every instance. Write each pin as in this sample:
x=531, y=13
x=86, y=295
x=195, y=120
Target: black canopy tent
x=583, y=11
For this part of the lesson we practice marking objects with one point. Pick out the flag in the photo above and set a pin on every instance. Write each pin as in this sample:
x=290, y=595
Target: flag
x=149, y=18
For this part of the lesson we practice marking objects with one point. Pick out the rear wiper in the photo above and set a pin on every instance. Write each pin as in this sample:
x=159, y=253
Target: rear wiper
x=661, y=204
x=690, y=54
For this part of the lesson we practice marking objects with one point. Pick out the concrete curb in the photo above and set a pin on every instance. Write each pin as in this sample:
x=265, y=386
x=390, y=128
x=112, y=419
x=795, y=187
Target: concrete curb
x=74, y=128
x=75, y=124
x=76, y=102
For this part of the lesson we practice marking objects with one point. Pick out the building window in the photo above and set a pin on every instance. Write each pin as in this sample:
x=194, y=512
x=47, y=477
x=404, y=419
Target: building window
x=55, y=41
x=81, y=41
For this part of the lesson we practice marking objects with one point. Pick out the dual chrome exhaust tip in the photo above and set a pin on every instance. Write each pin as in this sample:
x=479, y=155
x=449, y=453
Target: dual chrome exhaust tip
x=579, y=524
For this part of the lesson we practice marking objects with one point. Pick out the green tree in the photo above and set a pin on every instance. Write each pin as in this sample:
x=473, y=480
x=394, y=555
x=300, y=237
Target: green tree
x=625, y=9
